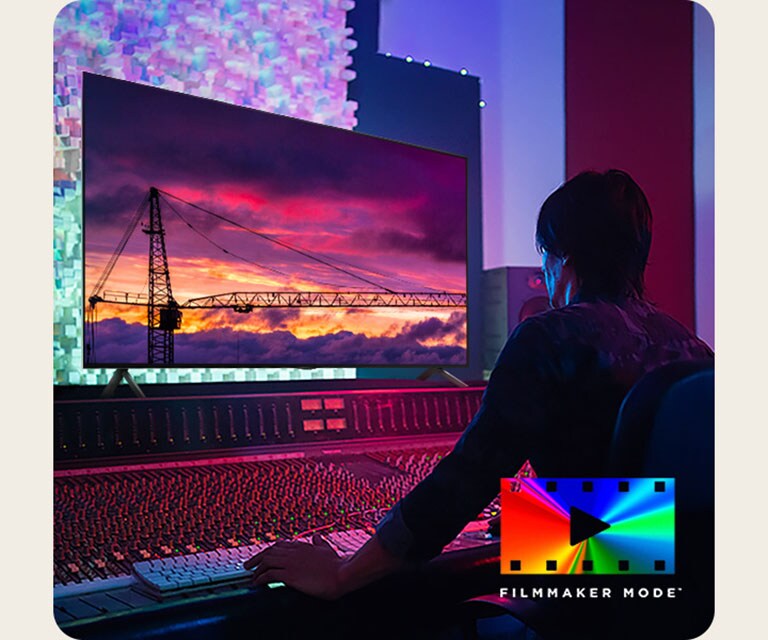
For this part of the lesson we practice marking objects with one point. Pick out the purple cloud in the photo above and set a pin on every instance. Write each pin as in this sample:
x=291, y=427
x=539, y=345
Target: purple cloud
x=123, y=343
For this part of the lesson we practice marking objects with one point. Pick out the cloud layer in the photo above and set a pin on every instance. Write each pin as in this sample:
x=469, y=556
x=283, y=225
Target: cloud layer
x=119, y=342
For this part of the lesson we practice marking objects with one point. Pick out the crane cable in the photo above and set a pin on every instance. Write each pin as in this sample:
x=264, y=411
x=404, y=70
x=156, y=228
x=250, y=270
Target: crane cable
x=389, y=276
x=280, y=243
x=91, y=312
x=120, y=247
x=232, y=253
x=218, y=246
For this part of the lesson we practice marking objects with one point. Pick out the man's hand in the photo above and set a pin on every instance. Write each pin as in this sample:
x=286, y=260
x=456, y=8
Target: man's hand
x=311, y=568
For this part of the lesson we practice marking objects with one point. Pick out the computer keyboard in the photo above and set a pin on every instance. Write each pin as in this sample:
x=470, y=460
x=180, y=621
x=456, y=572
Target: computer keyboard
x=209, y=569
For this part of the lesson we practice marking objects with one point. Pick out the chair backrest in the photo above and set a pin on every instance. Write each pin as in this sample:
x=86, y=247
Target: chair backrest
x=665, y=426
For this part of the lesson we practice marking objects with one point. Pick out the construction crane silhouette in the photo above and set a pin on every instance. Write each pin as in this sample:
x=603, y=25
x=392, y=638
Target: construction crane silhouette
x=164, y=313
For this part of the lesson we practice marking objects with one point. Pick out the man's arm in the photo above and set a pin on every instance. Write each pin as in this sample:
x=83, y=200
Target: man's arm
x=509, y=428
x=514, y=423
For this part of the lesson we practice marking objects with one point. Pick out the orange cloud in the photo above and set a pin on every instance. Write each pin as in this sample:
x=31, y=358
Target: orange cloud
x=306, y=323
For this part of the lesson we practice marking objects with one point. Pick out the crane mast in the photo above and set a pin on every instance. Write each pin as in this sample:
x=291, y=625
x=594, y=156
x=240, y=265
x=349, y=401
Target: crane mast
x=163, y=314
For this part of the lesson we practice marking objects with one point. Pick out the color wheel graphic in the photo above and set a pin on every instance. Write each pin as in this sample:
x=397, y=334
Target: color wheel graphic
x=587, y=526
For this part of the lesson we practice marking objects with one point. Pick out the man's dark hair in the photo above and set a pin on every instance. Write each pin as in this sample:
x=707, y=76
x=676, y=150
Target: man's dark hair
x=602, y=223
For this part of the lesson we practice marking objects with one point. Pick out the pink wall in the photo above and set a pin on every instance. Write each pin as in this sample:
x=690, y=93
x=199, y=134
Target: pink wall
x=704, y=170
x=629, y=105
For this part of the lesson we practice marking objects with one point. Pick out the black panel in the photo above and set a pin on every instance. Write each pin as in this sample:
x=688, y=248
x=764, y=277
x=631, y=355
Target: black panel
x=92, y=430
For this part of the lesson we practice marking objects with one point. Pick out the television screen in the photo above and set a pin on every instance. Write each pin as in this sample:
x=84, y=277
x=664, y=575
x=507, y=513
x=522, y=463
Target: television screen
x=220, y=235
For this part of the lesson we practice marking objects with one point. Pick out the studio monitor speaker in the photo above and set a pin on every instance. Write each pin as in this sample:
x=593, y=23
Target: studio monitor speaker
x=510, y=295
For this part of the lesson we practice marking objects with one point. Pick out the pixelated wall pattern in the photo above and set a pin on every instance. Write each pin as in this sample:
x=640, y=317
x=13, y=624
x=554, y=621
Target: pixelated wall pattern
x=285, y=56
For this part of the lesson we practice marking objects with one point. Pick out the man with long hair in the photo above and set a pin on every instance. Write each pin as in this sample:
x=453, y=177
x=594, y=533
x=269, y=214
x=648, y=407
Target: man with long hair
x=552, y=398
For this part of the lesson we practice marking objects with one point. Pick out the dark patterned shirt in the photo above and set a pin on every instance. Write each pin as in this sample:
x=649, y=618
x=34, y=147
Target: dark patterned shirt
x=552, y=398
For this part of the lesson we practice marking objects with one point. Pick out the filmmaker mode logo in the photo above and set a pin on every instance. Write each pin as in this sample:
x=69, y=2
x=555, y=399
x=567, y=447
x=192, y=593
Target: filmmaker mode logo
x=587, y=526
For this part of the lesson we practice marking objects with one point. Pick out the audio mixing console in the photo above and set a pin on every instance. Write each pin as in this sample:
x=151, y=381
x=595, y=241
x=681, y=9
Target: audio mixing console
x=151, y=482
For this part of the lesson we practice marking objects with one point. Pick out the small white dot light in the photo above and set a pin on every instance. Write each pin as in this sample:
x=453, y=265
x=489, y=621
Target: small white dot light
x=388, y=54
x=463, y=71
x=427, y=63
x=409, y=58
x=482, y=103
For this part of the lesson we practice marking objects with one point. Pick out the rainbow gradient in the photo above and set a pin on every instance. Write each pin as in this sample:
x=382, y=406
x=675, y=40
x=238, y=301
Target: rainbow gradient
x=536, y=526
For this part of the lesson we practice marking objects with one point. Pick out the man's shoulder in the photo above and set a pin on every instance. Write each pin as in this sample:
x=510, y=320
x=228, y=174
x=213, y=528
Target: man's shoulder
x=572, y=318
x=600, y=311
x=596, y=320
x=605, y=325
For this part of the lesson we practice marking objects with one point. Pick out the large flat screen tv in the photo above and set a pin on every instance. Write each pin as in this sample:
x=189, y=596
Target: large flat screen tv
x=220, y=235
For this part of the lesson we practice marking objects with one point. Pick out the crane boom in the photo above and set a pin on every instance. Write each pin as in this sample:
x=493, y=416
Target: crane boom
x=246, y=301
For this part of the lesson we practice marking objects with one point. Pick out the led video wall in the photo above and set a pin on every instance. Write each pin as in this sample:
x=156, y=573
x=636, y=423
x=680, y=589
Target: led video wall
x=289, y=58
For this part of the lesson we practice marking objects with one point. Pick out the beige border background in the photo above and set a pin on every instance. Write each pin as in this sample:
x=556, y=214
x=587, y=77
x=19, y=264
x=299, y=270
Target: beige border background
x=25, y=377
